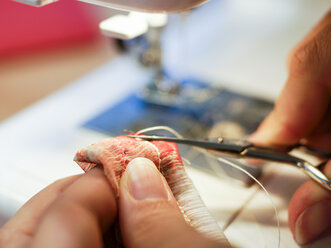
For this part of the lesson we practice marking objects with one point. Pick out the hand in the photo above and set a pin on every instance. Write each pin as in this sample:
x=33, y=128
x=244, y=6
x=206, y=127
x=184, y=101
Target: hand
x=302, y=113
x=149, y=215
x=71, y=212
x=75, y=211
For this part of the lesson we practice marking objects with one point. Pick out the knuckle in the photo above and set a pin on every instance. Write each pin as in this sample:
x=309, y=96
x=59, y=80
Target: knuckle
x=328, y=16
x=153, y=212
x=58, y=182
x=58, y=186
x=2, y=238
x=301, y=57
x=314, y=55
x=7, y=239
x=61, y=184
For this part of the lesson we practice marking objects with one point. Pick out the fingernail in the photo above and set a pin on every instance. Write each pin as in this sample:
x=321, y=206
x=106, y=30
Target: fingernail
x=267, y=132
x=312, y=222
x=261, y=137
x=254, y=137
x=144, y=180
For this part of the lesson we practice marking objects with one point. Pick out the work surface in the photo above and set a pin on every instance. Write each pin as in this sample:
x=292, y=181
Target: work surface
x=27, y=78
x=38, y=144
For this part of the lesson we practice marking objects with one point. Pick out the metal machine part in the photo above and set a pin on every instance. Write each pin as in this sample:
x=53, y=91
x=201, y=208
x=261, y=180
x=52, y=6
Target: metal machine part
x=135, y=23
x=154, y=6
x=36, y=2
x=131, y=25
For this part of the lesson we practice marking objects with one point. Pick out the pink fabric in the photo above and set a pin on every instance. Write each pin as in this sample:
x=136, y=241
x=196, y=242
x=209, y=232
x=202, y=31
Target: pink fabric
x=115, y=154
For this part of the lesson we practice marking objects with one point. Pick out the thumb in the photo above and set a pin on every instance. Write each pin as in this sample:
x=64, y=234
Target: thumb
x=310, y=211
x=149, y=215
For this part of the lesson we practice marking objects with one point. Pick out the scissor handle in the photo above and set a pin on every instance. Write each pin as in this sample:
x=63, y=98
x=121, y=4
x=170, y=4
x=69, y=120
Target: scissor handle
x=316, y=174
x=282, y=156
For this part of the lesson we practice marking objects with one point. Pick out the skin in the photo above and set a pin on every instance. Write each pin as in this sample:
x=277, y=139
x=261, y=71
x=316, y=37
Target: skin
x=76, y=211
x=63, y=214
x=302, y=114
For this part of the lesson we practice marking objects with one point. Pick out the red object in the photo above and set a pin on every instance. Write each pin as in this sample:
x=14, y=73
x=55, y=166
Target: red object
x=26, y=28
x=115, y=154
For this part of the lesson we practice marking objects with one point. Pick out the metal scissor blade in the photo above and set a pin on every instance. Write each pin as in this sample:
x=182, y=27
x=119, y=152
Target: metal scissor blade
x=227, y=146
x=236, y=148
x=241, y=148
x=184, y=141
x=191, y=142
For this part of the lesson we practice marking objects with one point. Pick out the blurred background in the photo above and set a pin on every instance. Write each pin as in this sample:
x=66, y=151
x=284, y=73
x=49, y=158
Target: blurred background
x=42, y=49
x=234, y=43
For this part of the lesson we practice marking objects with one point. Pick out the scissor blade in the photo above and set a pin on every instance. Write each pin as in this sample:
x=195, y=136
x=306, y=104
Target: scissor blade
x=192, y=142
x=222, y=146
x=242, y=148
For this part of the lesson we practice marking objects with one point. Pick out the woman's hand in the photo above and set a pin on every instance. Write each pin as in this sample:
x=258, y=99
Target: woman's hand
x=72, y=212
x=76, y=211
x=302, y=113
x=149, y=215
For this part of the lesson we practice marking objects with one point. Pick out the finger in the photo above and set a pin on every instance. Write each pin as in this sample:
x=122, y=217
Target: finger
x=310, y=211
x=78, y=217
x=304, y=101
x=320, y=138
x=149, y=215
x=20, y=229
x=326, y=20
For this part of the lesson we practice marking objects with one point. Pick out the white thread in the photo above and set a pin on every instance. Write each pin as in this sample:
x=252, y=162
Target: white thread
x=258, y=182
x=221, y=159
x=165, y=128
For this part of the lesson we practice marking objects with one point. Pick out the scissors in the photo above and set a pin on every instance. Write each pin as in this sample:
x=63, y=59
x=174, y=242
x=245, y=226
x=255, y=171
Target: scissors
x=245, y=149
